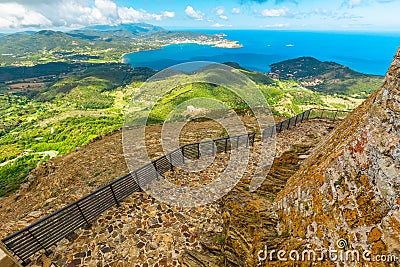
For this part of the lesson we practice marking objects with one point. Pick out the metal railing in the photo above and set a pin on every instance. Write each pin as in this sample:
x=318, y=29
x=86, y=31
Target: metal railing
x=323, y=113
x=46, y=232
x=299, y=118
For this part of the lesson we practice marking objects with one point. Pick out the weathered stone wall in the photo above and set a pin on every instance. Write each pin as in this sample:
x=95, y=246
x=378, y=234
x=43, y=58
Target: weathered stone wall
x=349, y=188
x=6, y=260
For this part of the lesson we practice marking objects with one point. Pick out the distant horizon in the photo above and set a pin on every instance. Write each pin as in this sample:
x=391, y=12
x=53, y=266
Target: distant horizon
x=299, y=15
x=182, y=28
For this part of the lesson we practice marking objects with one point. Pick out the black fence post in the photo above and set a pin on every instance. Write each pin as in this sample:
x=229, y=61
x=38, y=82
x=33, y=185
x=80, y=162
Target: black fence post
x=115, y=198
x=308, y=115
x=198, y=150
x=26, y=262
x=334, y=117
x=137, y=181
x=83, y=216
x=155, y=164
x=295, y=121
x=302, y=117
x=183, y=154
x=226, y=144
x=288, y=125
x=253, y=137
x=170, y=162
x=40, y=243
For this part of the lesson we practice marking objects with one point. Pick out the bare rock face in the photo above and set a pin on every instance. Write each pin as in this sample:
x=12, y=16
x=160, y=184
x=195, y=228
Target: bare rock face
x=349, y=188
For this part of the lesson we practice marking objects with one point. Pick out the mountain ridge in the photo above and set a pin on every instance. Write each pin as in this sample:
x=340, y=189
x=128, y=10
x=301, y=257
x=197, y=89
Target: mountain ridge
x=133, y=27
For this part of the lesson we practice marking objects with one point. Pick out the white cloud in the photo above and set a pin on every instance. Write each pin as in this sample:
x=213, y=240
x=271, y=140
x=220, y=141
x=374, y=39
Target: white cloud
x=13, y=15
x=220, y=11
x=274, y=12
x=277, y=25
x=168, y=14
x=218, y=25
x=71, y=14
x=106, y=6
x=197, y=15
x=236, y=10
x=131, y=15
x=353, y=3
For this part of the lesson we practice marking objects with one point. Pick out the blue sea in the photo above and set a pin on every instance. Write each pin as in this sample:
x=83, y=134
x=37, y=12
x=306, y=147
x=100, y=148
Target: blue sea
x=369, y=53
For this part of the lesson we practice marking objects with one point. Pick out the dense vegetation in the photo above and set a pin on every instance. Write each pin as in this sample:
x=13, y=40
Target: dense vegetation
x=79, y=102
x=14, y=173
x=16, y=73
x=69, y=111
x=328, y=77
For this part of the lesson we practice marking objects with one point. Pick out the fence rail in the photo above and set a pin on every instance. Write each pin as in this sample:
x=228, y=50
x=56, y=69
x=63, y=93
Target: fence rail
x=299, y=118
x=43, y=234
x=48, y=231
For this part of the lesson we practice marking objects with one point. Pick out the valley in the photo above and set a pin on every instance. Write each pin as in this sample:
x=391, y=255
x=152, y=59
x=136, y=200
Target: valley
x=50, y=109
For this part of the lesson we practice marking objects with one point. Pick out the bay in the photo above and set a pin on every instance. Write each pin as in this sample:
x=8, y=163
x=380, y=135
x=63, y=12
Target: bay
x=369, y=53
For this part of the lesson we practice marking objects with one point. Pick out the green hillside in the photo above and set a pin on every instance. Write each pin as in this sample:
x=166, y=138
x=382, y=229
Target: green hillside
x=328, y=77
x=51, y=115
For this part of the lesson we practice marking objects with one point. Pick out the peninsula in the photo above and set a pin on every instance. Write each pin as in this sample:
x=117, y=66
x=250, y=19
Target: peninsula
x=96, y=44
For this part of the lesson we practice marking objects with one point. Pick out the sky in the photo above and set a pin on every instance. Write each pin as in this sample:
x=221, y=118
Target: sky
x=313, y=15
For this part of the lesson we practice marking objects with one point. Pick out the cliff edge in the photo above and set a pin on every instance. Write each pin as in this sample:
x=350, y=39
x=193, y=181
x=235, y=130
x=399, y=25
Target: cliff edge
x=349, y=188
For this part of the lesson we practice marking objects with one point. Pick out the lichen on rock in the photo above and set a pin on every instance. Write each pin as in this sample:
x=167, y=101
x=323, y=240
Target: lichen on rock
x=351, y=181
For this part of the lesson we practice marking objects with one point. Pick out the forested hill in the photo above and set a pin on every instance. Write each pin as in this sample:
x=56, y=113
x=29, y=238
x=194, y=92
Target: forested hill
x=327, y=76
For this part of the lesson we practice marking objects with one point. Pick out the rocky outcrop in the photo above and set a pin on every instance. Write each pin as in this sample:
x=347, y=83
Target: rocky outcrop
x=249, y=221
x=349, y=188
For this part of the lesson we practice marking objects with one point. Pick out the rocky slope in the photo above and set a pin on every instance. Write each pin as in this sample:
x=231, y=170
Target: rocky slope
x=349, y=189
x=143, y=231
x=64, y=179
x=249, y=218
